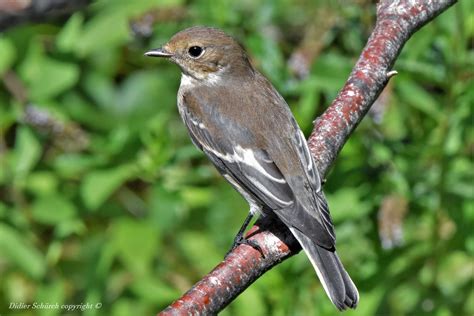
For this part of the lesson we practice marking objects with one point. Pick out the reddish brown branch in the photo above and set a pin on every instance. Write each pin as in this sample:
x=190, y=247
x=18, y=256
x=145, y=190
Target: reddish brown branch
x=396, y=22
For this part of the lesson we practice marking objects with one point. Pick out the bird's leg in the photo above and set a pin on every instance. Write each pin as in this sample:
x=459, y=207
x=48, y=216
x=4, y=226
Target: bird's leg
x=240, y=234
x=240, y=239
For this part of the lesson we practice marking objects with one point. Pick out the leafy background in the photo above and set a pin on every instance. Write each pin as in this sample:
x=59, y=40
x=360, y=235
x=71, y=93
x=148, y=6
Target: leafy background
x=104, y=199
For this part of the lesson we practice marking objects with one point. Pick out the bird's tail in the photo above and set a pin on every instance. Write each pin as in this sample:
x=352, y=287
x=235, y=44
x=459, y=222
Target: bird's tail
x=334, y=278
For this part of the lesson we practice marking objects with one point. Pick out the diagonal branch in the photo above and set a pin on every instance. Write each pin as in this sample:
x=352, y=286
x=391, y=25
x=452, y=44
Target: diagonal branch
x=397, y=20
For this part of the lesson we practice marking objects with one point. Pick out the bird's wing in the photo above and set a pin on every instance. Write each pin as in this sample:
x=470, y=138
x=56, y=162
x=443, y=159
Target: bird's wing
x=250, y=169
x=309, y=194
x=255, y=173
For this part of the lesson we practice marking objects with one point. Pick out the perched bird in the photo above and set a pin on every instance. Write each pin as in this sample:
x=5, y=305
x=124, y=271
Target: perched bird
x=245, y=127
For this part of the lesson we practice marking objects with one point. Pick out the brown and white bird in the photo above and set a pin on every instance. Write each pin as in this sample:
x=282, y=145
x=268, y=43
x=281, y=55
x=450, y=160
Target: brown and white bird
x=238, y=119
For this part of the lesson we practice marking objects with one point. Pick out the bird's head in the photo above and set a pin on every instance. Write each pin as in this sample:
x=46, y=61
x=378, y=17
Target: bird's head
x=204, y=53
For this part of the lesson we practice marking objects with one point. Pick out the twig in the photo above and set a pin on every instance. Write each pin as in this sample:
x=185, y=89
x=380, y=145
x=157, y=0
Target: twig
x=396, y=22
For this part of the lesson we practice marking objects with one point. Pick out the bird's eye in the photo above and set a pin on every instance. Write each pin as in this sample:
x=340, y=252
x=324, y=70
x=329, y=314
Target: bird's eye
x=195, y=51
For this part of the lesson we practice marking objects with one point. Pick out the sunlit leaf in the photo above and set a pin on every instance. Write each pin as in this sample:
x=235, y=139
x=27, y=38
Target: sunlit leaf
x=7, y=54
x=455, y=270
x=27, y=152
x=53, y=209
x=21, y=253
x=347, y=204
x=45, y=76
x=98, y=185
x=68, y=40
x=419, y=98
x=104, y=31
x=199, y=250
x=136, y=244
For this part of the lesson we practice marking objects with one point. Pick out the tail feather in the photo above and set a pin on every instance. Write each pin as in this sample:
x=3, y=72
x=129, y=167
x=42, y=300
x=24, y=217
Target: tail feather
x=334, y=278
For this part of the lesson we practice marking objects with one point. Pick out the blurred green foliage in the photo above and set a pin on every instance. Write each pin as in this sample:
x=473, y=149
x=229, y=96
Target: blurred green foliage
x=104, y=199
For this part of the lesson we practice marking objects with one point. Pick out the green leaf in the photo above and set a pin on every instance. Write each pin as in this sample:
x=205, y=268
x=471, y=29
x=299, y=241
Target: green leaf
x=414, y=95
x=99, y=185
x=199, y=250
x=51, y=293
x=154, y=290
x=21, y=254
x=3, y=210
x=42, y=183
x=7, y=54
x=251, y=302
x=308, y=104
x=394, y=122
x=269, y=56
x=68, y=39
x=454, y=138
x=102, y=32
x=27, y=152
x=46, y=77
x=68, y=227
x=101, y=89
x=405, y=297
x=459, y=178
x=136, y=243
x=143, y=92
x=346, y=204
x=331, y=71
x=166, y=208
x=196, y=197
x=455, y=270
x=53, y=209
x=74, y=165
x=127, y=306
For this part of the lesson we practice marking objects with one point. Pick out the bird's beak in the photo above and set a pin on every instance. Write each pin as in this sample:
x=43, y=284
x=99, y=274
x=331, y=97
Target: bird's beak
x=158, y=52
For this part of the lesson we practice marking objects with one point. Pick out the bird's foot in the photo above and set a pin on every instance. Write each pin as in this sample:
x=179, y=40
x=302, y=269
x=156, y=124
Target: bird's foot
x=241, y=240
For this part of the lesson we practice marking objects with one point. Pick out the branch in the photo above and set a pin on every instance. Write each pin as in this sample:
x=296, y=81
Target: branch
x=396, y=22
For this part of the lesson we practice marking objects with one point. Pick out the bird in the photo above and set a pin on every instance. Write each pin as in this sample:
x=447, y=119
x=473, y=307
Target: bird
x=247, y=130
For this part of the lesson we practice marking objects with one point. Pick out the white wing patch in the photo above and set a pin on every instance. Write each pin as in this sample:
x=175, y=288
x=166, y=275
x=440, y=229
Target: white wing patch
x=258, y=175
x=306, y=150
x=246, y=156
x=267, y=192
x=307, y=159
